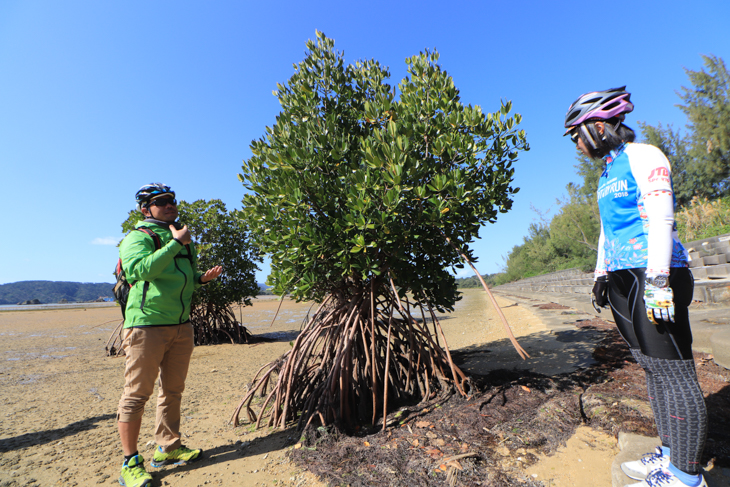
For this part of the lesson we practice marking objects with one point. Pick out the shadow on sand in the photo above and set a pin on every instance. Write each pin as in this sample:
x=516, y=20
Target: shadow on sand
x=43, y=437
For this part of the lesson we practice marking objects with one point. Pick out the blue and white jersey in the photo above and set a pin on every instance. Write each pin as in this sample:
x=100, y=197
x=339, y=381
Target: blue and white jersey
x=636, y=201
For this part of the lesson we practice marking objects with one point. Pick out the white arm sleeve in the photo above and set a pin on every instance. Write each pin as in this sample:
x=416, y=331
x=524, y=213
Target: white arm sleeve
x=659, y=206
x=653, y=176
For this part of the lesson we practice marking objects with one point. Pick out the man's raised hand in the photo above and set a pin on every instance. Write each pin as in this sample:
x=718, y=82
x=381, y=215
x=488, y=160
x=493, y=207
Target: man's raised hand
x=183, y=235
x=211, y=274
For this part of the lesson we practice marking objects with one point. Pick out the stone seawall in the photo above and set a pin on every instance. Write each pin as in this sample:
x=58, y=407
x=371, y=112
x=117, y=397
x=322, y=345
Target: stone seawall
x=714, y=290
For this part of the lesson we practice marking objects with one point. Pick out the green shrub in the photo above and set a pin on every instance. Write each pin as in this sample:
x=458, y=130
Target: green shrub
x=703, y=218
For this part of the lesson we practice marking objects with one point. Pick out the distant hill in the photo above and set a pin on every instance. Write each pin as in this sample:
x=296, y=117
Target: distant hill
x=54, y=291
x=264, y=289
x=473, y=281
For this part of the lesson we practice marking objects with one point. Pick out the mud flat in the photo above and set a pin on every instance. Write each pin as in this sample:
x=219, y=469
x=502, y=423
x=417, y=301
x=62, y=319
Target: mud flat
x=60, y=393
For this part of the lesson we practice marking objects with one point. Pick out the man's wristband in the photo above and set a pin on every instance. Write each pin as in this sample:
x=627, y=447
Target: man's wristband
x=178, y=241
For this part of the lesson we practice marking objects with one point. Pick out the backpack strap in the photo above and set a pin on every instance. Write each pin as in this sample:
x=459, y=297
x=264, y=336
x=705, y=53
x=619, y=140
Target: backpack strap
x=155, y=237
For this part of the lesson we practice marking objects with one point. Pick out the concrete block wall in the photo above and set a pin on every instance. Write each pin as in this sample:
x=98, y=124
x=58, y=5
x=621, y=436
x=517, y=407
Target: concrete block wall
x=710, y=257
x=709, y=262
x=710, y=328
x=574, y=281
x=569, y=281
x=712, y=292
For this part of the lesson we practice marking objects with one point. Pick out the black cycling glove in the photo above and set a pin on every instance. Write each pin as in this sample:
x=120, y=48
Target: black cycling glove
x=599, y=295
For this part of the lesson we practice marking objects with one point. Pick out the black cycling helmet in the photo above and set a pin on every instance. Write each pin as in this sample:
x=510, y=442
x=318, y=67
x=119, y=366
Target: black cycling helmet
x=148, y=192
x=599, y=105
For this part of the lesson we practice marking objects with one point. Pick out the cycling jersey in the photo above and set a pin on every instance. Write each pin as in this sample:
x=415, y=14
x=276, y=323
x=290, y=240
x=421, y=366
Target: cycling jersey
x=636, y=202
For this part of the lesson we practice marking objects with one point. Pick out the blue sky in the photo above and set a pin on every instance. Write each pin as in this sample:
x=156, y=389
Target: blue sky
x=98, y=98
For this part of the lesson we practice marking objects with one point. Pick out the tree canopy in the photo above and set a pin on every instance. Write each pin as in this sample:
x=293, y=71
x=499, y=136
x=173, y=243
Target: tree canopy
x=352, y=182
x=707, y=106
x=700, y=157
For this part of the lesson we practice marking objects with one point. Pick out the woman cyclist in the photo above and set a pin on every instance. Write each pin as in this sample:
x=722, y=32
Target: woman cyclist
x=642, y=273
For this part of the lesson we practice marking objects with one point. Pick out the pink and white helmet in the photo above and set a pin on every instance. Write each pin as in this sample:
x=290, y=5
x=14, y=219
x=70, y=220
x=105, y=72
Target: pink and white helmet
x=598, y=105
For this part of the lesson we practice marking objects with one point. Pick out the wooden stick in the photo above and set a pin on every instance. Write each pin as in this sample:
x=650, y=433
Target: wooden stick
x=510, y=335
x=457, y=380
x=281, y=301
x=372, y=347
x=459, y=457
x=105, y=323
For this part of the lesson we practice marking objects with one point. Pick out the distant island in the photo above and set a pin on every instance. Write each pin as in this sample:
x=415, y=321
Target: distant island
x=51, y=292
x=46, y=292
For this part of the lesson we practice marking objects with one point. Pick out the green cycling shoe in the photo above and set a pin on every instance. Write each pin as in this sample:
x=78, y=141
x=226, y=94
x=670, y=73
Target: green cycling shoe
x=178, y=456
x=133, y=473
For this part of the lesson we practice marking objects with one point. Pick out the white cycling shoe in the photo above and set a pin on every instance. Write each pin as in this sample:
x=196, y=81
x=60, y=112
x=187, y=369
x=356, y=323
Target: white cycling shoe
x=641, y=468
x=664, y=478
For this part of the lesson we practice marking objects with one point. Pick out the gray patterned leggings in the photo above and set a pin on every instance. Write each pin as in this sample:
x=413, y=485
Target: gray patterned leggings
x=664, y=351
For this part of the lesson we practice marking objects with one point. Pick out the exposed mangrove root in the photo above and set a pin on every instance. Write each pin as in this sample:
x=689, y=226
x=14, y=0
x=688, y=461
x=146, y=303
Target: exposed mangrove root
x=113, y=346
x=278, y=308
x=356, y=357
x=217, y=324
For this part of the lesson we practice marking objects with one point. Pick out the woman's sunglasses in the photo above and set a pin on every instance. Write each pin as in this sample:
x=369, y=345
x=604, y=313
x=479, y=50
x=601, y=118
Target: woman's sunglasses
x=162, y=202
x=574, y=136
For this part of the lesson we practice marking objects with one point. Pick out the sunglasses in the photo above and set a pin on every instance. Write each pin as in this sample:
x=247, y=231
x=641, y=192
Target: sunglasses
x=574, y=136
x=162, y=202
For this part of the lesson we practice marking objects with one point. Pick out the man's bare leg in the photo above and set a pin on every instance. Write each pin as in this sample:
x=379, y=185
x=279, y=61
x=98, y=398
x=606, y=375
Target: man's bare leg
x=129, y=433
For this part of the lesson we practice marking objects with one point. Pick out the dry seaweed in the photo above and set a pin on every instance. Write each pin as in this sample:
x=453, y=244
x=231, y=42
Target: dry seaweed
x=512, y=416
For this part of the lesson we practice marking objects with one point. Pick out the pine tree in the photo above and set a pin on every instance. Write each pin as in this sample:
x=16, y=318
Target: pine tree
x=707, y=106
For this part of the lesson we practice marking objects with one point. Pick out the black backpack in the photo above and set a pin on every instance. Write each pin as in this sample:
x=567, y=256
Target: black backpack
x=122, y=286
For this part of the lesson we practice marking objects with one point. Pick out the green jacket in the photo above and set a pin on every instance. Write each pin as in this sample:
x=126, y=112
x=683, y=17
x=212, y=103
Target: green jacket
x=171, y=274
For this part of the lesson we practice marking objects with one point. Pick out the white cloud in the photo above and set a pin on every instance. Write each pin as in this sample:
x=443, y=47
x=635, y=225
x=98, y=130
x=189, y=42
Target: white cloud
x=105, y=241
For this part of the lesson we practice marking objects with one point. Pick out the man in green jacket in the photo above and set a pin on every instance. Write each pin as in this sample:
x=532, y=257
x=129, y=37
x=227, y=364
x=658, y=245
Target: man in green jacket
x=158, y=336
